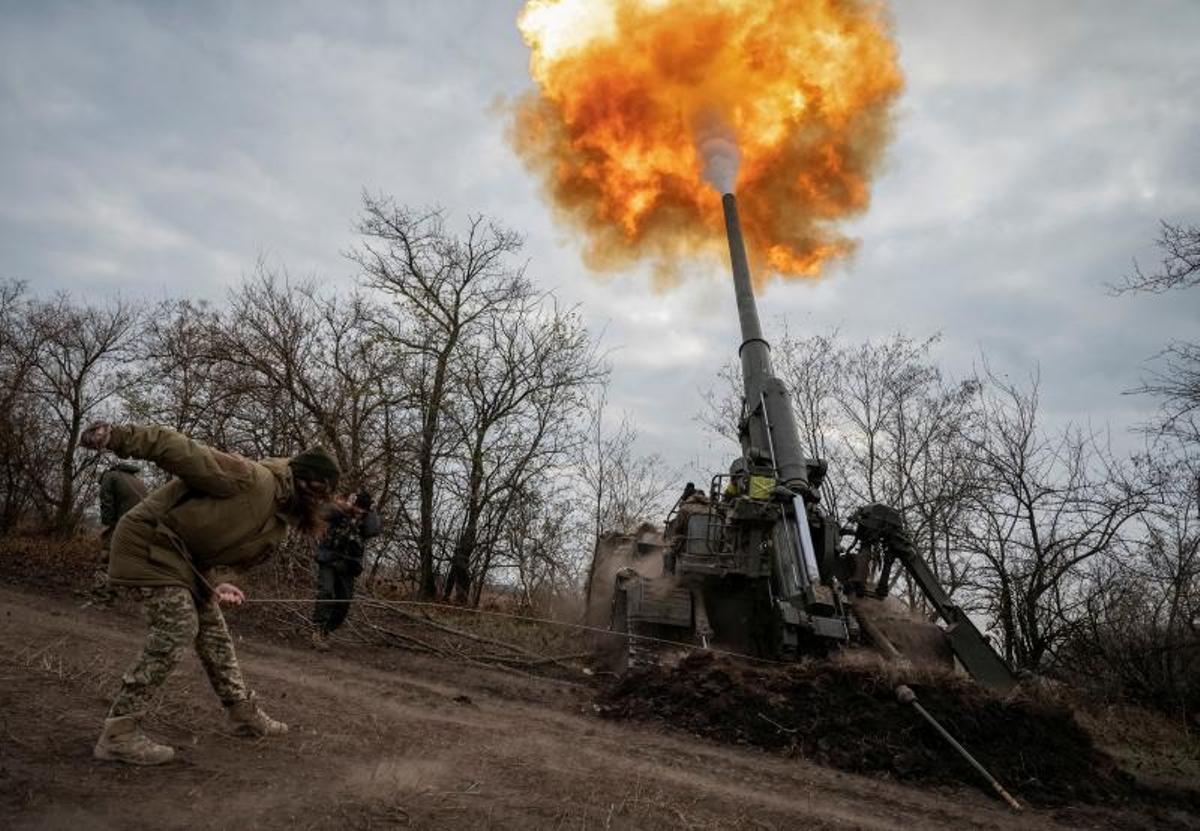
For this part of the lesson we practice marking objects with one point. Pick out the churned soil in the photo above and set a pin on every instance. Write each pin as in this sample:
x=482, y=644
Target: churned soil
x=846, y=715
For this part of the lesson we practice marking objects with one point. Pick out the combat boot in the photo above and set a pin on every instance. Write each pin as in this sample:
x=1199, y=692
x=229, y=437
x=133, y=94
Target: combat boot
x=122, y=740
x=248, y=720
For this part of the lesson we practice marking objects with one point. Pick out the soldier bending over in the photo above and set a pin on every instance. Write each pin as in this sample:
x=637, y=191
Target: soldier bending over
x=221, y=512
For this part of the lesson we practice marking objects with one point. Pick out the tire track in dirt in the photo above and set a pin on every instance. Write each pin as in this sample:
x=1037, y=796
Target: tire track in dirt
x=391, y=747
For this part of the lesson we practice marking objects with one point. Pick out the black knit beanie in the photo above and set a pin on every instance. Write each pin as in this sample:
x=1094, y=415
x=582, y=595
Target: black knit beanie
x=315, y=463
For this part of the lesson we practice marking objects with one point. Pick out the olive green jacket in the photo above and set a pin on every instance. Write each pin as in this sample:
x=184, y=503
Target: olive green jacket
x=221, y=512
x=120, y=490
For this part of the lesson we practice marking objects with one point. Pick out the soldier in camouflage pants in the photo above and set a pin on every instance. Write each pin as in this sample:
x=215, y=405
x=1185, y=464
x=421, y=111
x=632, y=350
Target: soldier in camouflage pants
x=177, y=623
x=221, y=513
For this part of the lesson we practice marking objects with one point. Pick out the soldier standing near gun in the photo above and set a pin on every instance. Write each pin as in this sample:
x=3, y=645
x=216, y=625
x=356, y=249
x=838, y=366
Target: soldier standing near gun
x=339, y=561
x=221, y=512
x=120, y=489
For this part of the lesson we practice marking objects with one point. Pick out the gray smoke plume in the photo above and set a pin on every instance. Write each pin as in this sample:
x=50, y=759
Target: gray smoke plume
x=721, y=157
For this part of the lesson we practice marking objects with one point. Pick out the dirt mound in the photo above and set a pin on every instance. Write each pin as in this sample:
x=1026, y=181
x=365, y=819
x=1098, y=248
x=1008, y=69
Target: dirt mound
x=847, y=717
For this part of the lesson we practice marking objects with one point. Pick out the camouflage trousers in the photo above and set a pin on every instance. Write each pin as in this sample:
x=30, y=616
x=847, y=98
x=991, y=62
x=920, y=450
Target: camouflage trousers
x=177, y=623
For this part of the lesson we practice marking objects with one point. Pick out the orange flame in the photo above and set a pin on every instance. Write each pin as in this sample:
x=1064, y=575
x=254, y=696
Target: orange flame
x=627, y=90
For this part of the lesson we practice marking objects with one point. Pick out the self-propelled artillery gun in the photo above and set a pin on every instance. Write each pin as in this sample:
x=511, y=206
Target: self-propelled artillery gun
x=755, y=564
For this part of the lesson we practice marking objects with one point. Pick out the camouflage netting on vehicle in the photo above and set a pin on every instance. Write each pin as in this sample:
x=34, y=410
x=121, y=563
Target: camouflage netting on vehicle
x=846, y=716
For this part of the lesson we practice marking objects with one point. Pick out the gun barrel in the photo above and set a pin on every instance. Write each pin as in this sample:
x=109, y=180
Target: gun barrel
x=755, y=352
x=770, y=428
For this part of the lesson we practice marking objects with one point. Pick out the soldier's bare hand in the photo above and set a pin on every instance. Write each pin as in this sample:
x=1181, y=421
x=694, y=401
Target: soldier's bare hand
x=229, y=594
x=96, y=436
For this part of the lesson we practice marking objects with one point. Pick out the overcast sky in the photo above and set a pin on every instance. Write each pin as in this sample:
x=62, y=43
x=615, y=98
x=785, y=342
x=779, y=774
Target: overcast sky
x=159, y=149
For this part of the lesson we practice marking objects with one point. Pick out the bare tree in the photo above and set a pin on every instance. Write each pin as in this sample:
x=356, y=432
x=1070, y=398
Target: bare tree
x=1140, y=637
x=522, y=385
x=1175, y=380
x=183, y=383
x=443, y=287
x=77, y=373
x=320, y=351
x=1179, y=267
x=540, y=545
x=1053, y=503
x=622, y=488
x=306, y=367
x=23, y=420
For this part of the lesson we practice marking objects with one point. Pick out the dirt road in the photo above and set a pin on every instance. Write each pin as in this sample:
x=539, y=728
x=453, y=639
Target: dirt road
x=384, y=738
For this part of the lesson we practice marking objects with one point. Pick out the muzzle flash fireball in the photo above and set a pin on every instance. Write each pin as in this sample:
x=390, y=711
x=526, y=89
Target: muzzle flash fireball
x=627, y=90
